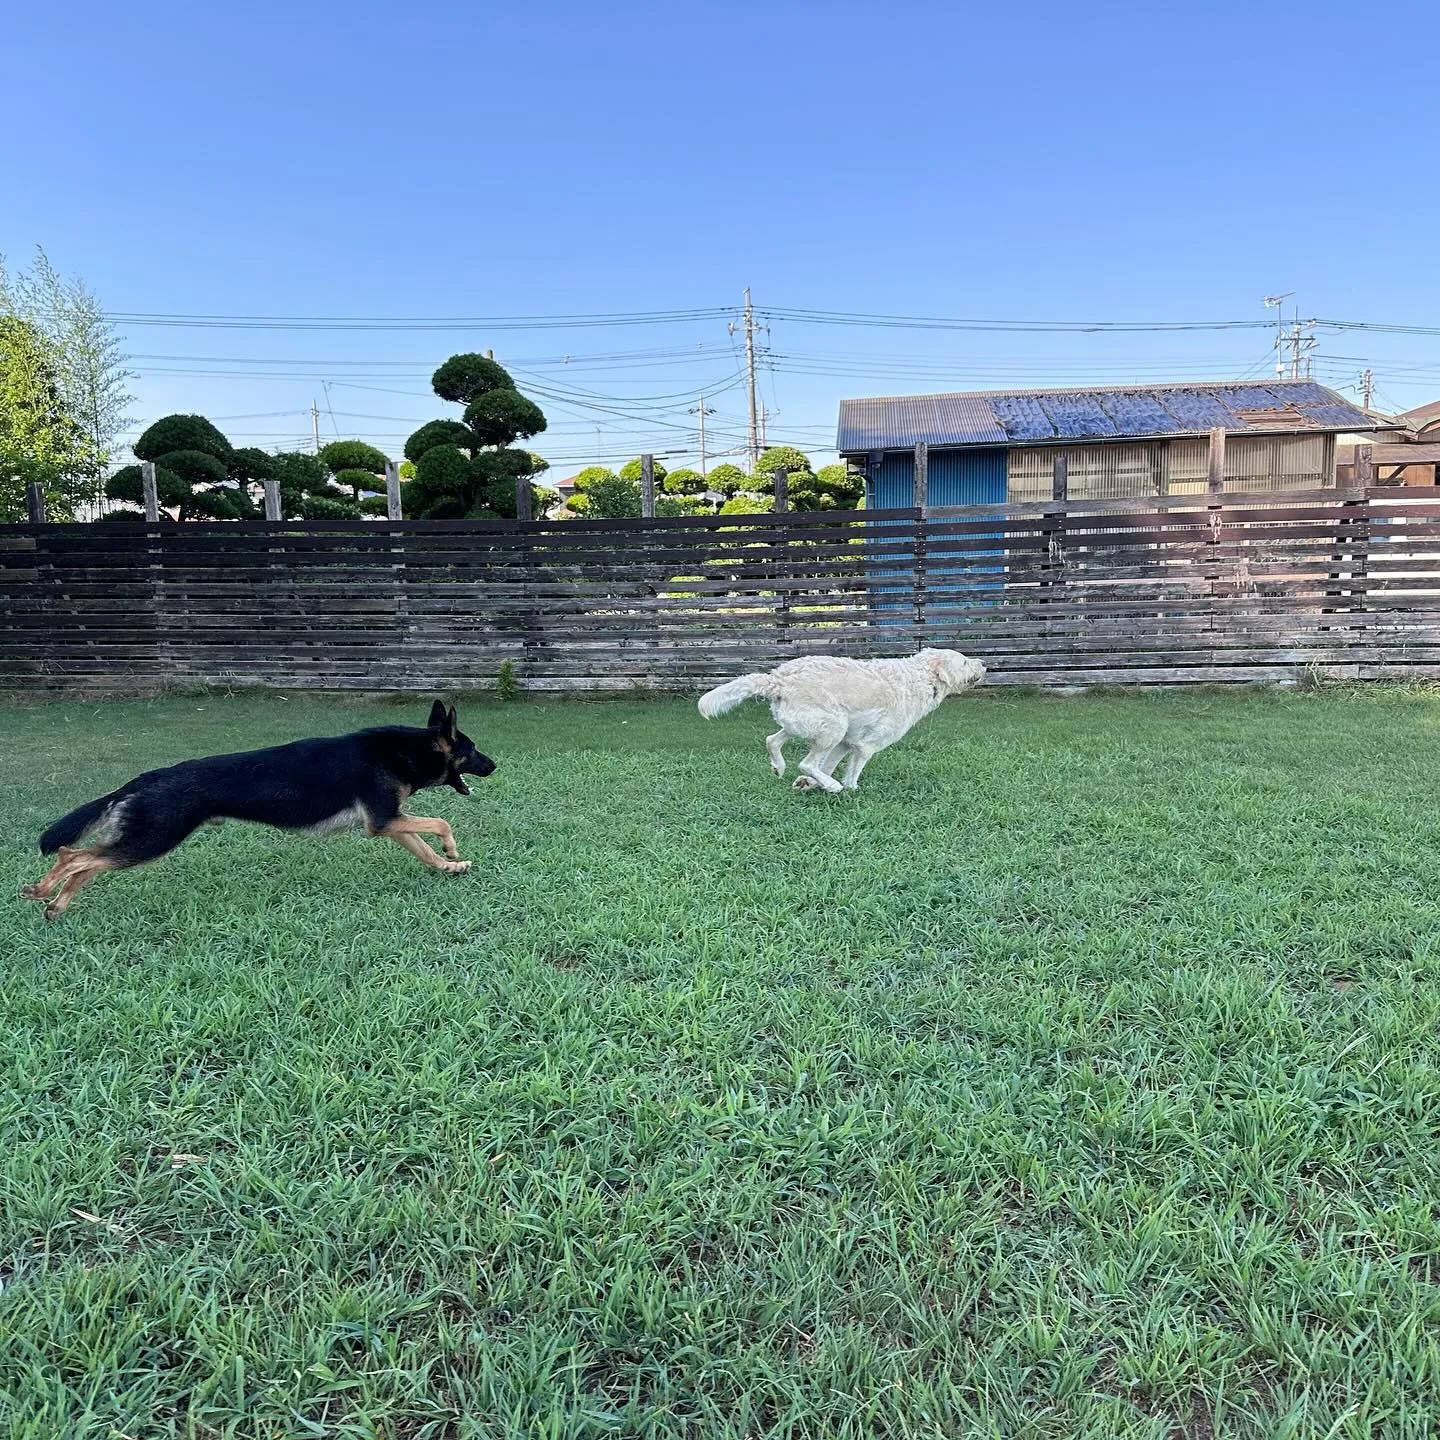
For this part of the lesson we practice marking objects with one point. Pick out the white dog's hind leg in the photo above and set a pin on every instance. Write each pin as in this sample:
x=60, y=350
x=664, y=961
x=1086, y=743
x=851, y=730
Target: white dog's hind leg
x=859, y=755
x=775, y=744
x=814, y=766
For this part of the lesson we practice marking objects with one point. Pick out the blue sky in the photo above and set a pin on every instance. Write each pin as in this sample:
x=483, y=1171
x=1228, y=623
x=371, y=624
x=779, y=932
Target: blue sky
x=1043, y=162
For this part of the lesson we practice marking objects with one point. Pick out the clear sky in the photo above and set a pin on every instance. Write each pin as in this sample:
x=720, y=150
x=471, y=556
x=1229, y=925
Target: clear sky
x=1127, y=162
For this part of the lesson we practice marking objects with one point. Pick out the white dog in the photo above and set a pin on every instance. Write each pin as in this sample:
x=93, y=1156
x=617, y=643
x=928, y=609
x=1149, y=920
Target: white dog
x=854, y=707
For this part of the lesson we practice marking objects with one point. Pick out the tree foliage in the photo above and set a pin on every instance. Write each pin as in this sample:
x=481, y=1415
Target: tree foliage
x=181, y=432
x=612, y=497
x=463, y=378
x=197, y=464
x=476, y=466
x=685, y=482
x=728, y=479
x=88, y=370
x=783, y=457
x=250, y=467
x=40, y=441
x=631, y=469
x=341, y=455
x=436, y=432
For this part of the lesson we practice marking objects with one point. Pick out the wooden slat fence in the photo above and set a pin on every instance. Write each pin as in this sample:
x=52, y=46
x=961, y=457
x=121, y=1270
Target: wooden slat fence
x=1191, y=587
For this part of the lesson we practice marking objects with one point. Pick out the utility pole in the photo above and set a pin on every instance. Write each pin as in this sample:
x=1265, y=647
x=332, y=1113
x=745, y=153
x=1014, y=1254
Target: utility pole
x=1367, y=387
x=702, y=410
x=1277, y=304
x=315, y=425
x=752, y=445
x=1299, y=339
x=1302, y=342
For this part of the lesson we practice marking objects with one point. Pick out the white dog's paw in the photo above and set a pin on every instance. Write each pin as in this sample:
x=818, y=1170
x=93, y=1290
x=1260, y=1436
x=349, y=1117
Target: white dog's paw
x=778, y=766
x=803, y=783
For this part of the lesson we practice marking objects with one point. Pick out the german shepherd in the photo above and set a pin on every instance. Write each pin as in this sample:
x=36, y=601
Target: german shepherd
x=309, y=785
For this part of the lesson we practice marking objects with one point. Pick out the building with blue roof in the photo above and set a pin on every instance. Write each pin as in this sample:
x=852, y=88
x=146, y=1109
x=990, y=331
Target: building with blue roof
x=1118, y=442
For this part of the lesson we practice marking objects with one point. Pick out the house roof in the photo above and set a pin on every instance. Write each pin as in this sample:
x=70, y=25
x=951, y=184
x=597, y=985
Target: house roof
x=1117, y=412
x=1422, y=416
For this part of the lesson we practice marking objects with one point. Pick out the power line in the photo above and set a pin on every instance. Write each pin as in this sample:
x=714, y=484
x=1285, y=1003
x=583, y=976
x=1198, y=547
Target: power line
x=375, y=322
x=1059, y=327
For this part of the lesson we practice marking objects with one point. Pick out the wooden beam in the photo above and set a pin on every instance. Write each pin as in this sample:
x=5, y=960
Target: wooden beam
x=392, y=491
x=272, y=500
x=922, y=477
x=782, y=491
x=34, y=504
x=647, y=485
x=524, y=498
x=1215, y=470
x=1364, y=465
x=152, y=495
x=1060, y=477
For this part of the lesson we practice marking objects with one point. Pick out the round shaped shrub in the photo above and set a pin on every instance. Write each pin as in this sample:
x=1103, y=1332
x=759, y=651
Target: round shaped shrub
x=129, y=485
x=630, y=470
x=437, y=432
x=685, y=482
x=443, y=469
x=500, y=416
x=181, y=432
x=464, y=377
x=251, y=466
x=727, y=479
x=353, y=455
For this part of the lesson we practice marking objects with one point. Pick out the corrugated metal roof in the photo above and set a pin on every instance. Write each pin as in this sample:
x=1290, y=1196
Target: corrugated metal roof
x=1021, y=417
x=886, y=424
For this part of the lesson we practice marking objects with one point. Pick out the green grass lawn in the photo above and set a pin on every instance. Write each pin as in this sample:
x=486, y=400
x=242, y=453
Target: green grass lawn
x=1076, y=1078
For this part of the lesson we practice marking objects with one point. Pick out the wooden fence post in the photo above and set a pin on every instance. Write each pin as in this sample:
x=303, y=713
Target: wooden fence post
x=34, y=504
x=782, y=491
x=647, y=485
x=272, y=500
x=1215, y=470
x=524, y=499
x=152, y=495
x=392, y=490
x=1215, y=489
x=922, y=477
x=1055, y=519
x=1364, y=475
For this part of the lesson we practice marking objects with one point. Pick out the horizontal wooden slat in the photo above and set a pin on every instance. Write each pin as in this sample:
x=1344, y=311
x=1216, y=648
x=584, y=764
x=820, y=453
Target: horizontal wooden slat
x=1185, y=587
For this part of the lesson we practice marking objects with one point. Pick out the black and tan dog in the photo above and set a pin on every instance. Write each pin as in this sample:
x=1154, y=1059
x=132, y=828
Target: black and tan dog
x=309, y=785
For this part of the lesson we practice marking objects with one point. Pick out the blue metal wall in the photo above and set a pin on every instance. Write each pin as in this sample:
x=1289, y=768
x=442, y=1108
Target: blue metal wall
x=956, y=477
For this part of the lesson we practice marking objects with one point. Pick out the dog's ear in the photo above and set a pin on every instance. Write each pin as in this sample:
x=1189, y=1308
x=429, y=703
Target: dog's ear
x=452, y=722
x=437, y=716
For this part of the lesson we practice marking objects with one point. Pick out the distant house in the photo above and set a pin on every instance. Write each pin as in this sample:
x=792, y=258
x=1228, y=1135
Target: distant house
x=992, y=446
x=1408, y=455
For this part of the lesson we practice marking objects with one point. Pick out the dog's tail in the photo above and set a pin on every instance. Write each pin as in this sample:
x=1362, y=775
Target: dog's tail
x=734, y=692
x=71, y=827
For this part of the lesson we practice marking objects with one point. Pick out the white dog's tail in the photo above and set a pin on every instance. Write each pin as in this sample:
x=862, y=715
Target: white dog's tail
x=734, y=692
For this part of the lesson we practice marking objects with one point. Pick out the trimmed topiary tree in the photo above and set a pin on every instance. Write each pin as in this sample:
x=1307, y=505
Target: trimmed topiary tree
x=469, y=468
x=728, y=479
x=685, y=482
x=193, y=471
x=307, y=491
x=356, y=467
